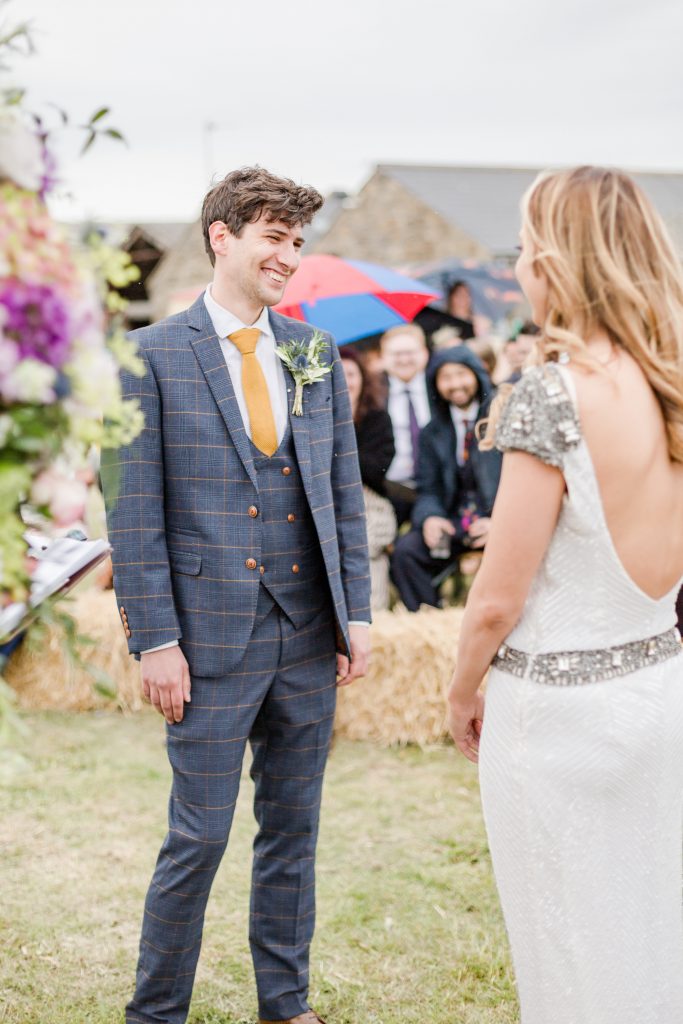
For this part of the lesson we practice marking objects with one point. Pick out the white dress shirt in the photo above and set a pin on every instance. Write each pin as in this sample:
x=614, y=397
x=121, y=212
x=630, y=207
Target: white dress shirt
x=225, y=323
x=460, y=418
x=402, y=468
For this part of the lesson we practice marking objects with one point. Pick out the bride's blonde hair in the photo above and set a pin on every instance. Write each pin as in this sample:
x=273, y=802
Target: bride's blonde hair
x=610, y=265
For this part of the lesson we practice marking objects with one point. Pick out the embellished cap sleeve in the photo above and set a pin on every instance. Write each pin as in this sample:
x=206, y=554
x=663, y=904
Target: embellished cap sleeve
x=539, y=417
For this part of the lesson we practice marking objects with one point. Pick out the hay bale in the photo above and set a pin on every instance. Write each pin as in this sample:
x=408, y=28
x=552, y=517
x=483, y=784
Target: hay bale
x=400, y=701
x=403, y=697
x=44, y=679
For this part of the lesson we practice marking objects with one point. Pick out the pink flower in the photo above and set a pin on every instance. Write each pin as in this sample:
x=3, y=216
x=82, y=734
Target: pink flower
x=65, y=497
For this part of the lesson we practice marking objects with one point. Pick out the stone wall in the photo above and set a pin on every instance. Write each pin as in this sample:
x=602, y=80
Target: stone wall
x=387, y=224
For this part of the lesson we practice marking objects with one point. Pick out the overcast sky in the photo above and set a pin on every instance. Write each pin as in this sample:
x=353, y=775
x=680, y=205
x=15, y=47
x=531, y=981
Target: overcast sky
x=322, y=92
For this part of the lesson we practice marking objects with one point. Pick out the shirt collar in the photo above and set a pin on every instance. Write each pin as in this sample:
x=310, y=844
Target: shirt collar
x=465, y=415
x=398, y=386
x=226, y=323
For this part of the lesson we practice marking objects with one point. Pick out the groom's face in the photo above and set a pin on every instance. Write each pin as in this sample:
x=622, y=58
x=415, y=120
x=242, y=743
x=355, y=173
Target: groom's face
x=262, y=258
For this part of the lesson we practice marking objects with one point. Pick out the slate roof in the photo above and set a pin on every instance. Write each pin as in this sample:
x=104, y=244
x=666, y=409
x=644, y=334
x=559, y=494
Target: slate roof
x=484, y=201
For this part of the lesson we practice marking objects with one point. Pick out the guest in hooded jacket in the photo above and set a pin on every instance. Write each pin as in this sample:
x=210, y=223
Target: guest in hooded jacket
x=456, y=482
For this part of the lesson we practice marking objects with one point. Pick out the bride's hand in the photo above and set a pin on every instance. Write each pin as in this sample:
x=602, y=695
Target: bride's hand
x=465, y=722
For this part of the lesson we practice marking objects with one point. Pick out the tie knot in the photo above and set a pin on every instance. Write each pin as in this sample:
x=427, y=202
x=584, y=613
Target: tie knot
x=245, y=339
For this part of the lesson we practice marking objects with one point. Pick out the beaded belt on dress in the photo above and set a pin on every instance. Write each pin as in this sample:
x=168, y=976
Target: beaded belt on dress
x=571, y=668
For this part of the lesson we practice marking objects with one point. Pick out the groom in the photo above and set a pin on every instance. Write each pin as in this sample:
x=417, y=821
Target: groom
x=241, y=576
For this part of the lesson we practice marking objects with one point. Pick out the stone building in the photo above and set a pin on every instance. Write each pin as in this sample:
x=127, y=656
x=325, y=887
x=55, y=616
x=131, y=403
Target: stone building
x=405, y=214
x=411, y=213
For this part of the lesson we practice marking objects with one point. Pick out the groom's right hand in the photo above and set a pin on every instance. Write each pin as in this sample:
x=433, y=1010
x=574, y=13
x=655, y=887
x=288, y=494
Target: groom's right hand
x=166, y=682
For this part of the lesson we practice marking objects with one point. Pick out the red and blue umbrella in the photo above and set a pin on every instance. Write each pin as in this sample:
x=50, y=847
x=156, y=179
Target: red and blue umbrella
x=352, y=299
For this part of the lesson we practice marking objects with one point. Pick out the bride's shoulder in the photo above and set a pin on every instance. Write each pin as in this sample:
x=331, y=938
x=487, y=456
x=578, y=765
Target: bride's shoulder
x=540, y=415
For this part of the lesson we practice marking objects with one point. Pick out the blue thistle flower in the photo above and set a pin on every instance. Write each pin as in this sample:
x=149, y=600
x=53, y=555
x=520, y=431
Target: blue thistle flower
x=301, y=362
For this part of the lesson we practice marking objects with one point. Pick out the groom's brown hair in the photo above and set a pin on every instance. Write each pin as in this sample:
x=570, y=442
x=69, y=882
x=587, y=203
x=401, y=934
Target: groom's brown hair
x=252, y=192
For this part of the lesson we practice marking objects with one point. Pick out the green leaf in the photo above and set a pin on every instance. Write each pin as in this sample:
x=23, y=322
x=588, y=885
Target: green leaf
x=62, y=113
x=13, y=97
x=114, y=134
x=98, y=115
x=88, y=142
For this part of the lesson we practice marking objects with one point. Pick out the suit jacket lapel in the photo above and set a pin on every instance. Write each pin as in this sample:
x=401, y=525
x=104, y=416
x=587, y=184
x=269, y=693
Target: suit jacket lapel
x=284, y=331
x=210, y=357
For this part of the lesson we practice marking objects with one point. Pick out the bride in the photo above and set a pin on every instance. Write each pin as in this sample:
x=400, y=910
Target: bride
x=582, y=740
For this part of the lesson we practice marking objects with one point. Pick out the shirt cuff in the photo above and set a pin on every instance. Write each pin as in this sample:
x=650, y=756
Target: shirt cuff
x=161, y=647
x=360, y=624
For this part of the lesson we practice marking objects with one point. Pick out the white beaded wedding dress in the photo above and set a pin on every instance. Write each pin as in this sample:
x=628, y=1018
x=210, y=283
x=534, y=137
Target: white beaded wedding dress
x=581, y=759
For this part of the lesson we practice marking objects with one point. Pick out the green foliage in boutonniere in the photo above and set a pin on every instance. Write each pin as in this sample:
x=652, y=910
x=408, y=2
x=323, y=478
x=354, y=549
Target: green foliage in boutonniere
x=302, y=359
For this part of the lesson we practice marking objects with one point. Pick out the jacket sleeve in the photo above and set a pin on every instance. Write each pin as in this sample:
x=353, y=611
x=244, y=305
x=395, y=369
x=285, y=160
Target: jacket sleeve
x=430, y=488
x=375, y=448
x=133, y=485
x=349, y=505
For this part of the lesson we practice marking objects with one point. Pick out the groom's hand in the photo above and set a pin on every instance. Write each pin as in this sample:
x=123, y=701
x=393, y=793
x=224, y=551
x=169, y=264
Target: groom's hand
x=166, y=682
x=360, y=656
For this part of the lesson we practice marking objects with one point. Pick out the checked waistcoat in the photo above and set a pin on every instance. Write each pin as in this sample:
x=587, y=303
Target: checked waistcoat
x=292, y=567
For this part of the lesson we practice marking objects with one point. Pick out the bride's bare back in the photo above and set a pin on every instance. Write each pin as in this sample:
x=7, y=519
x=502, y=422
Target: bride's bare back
x=641, y=488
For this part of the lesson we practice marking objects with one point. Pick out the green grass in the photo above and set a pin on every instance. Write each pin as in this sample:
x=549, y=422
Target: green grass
x=409, y=928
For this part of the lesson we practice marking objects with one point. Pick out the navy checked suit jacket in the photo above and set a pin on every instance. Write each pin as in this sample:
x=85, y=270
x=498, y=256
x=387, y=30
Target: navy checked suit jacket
x=178, y=497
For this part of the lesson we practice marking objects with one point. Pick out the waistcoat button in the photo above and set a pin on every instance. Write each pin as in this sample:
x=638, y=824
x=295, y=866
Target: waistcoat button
x=253, y=511
x=286, y=470
x=291, y=517
x=250, y=563
x=295, y=568
x=262, y=569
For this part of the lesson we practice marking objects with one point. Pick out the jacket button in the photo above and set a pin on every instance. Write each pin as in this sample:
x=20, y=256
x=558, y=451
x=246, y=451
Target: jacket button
x=262, y=569
x=295, y=568
x=286, y=470
x=250, y=563
x=291, y=517
x=253, y=511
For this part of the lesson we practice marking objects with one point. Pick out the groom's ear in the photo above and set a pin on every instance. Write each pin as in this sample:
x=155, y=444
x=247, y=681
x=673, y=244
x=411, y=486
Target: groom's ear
x=219, y=237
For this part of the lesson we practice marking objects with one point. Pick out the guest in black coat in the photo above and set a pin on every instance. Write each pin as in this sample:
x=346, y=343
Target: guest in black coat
x=458, y=314
x=456, y=484
x=375, y=441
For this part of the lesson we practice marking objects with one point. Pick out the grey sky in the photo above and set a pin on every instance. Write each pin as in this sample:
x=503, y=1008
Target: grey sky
x=321, y=91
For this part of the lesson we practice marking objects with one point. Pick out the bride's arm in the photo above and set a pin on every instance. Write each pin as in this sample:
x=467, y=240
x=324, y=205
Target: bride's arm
x=524, y=517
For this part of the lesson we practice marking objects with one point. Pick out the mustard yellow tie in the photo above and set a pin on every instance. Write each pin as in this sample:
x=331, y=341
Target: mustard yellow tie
x=256, y=396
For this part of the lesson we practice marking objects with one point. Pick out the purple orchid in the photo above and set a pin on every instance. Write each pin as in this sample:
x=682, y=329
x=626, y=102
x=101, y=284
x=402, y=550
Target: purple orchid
x=37, y=320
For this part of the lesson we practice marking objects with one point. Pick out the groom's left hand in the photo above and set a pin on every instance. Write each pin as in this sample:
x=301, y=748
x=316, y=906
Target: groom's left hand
x=347, y=670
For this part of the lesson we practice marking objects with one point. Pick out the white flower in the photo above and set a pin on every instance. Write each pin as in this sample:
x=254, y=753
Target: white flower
x=29, y=381
x=94, y=379
x=21, y=153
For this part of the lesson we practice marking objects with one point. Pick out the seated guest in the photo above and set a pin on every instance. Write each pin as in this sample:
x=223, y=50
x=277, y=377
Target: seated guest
x=375, y=441
x=518, y=348
x=456, y=482
x=404, y=357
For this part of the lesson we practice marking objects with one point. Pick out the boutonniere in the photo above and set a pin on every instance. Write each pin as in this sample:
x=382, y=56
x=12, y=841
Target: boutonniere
x=302, y=359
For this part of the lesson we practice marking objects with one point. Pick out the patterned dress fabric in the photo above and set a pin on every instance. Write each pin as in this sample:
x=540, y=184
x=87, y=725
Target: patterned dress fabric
x=582, y=785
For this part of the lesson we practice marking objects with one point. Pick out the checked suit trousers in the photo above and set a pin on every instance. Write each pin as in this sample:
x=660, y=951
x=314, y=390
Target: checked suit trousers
x=281, y=698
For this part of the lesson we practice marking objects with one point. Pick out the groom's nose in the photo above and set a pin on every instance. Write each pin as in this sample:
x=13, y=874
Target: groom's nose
x=288, y=255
